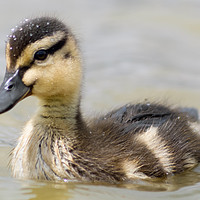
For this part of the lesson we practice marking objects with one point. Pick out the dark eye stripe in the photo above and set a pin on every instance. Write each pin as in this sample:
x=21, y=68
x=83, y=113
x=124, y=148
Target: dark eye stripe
x=56, y=46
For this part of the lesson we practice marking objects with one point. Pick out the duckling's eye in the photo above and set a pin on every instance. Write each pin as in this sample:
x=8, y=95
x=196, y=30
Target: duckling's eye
x=41, y=55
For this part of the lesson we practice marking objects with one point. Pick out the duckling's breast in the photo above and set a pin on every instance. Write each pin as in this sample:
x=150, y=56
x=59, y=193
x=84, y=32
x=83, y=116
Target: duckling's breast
x=41, y=153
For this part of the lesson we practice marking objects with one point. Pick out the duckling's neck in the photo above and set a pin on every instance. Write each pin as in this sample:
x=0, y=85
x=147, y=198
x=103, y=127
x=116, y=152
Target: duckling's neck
x=57, y=108
x=59, y=113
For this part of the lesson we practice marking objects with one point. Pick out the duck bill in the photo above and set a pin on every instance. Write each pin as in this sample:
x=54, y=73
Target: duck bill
x=12, y=90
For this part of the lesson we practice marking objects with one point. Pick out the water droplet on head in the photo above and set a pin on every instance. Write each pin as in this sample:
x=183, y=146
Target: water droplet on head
x=48, y=23
x=14, y=37
x=37, y=26
x=12, y=29
x=26, y=20
x=31, y=34
x=21, y=29
x=11, y=48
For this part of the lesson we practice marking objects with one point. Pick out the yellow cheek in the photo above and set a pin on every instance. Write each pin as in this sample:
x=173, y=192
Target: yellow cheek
x=31, y=76
x=61, y=79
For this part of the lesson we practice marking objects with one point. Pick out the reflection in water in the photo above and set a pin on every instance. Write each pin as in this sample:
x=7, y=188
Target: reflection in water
x=172, y=183
x=35, y=190
x=48, y=191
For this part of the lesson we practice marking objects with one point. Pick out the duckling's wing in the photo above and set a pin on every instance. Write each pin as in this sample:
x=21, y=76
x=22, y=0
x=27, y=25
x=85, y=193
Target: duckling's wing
x=141, y=113
x=142, y=116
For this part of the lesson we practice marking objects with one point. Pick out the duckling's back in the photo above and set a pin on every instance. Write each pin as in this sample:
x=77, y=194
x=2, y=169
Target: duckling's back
x=147, y=140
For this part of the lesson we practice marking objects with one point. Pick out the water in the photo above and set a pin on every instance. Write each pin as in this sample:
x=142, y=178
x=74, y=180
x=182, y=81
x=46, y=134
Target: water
x=132, y=51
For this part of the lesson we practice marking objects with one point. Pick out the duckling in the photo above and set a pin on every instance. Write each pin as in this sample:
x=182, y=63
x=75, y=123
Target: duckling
x=135, y=141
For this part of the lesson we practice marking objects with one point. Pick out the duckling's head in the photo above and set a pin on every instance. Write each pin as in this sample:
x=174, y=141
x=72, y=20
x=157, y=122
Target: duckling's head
x=42, y=60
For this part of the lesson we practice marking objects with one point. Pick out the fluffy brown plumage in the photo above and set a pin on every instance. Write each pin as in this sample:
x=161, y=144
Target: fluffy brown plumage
x=135, y=141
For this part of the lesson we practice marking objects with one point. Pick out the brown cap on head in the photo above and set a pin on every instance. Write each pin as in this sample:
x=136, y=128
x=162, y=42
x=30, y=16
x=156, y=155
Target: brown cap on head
x=30, y=31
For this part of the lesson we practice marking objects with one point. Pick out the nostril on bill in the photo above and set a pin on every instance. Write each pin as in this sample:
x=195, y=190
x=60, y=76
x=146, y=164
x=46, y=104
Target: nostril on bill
x=9, y=87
